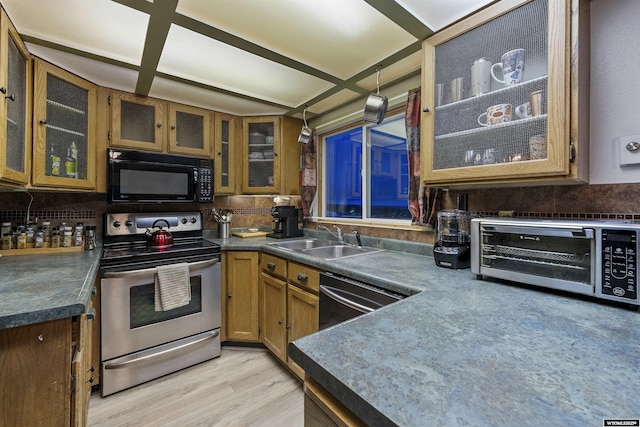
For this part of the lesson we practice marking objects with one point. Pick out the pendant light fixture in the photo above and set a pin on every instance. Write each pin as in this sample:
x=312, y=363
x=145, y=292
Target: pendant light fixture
x=305, y=133
x=376, y=106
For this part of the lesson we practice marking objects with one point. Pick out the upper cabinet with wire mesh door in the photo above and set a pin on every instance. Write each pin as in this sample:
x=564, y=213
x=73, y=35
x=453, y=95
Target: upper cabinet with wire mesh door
x=65, y=116
x=503, y=96
x=15, y=105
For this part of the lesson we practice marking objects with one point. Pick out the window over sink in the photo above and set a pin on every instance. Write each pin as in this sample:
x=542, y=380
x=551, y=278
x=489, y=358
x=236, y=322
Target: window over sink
x=365, y=172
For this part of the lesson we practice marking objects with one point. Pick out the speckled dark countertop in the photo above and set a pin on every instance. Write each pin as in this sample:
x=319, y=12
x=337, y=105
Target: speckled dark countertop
x=471, y=352
x=39, y=288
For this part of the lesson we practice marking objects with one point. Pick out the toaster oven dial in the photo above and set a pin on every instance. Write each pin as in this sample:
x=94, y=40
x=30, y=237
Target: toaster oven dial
x=619, y=262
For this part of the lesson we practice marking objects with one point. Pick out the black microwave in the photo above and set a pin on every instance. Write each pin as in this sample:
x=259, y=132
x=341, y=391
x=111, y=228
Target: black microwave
x=147, y=177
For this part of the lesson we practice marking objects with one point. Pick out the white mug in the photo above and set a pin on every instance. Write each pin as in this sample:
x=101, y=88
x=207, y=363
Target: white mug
x=499, y=113
x=481, y=76
x=512, y=67
x=523, y=111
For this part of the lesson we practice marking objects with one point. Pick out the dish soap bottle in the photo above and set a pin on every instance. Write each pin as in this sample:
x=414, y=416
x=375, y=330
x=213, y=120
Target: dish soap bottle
x=71, y=165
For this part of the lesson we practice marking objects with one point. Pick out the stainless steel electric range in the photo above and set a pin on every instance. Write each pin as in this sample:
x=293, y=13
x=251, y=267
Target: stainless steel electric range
x=140, y=343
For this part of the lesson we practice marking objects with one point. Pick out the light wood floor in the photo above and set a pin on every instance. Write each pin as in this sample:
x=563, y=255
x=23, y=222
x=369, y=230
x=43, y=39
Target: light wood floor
x=243, y=387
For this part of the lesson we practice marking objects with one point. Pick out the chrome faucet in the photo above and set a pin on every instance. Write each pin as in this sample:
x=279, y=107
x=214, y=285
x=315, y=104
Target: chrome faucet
x=338, y=236
x=357, y=234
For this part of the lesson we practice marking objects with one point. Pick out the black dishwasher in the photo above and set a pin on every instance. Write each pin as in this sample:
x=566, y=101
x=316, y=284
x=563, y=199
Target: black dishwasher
x=342, y=299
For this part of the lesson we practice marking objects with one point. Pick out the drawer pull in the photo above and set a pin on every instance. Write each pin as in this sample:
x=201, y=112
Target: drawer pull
x=302, y=277
x=271, y=266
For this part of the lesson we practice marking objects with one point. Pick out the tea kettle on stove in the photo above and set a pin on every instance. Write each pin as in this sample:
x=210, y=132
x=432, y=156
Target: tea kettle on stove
x=159, y=238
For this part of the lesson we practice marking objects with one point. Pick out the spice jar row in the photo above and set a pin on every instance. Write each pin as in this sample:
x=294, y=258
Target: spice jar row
x=32, y=235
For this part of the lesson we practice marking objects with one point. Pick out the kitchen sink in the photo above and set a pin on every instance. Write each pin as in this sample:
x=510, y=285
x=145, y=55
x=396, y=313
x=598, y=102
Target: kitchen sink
x=334, y=252
x=298, y=245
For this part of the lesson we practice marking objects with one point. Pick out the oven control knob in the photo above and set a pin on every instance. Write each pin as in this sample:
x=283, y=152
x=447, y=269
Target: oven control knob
x=128, y=223
x=116, y=224
x=193, y=220
x=184, y=220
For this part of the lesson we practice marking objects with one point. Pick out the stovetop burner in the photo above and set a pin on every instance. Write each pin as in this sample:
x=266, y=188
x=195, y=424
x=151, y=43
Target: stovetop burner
x=125, y=242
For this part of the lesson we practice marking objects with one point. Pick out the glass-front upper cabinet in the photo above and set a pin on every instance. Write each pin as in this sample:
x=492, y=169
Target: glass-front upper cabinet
x=261, y=143
x=15, y=105
x=495, y=100
x=225, y=154
x=64, y=129
x=190, y=130
x=137, y=122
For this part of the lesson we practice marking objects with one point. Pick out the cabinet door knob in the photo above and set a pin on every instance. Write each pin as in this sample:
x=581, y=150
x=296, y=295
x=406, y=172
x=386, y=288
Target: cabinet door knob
x=425, y=110
x=43, y=121
x=159, y=125
x=302, y=277
x=3, y=89
x=219, y=153
x=271, y=266
x=229, y=296
x=280, y=322
x=173, y=127
x=10, y=97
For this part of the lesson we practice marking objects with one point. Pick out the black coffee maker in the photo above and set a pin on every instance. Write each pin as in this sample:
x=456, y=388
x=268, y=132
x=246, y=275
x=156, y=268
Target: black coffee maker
x=285, y=222
x=453, y=248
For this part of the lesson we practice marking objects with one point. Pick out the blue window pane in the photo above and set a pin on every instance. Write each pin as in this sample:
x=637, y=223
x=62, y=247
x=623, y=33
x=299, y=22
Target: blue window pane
x=389, y=174
x=343, y=180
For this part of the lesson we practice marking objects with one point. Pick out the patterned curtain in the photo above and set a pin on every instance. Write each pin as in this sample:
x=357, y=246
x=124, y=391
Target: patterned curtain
x=423, y=201
x=308, y=175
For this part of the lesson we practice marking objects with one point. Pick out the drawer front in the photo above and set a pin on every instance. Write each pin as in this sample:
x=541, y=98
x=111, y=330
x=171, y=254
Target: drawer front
x=304, y=277
x=273, y=265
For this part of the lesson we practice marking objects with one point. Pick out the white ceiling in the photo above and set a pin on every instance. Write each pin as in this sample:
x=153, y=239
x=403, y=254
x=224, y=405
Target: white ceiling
x=244, y=57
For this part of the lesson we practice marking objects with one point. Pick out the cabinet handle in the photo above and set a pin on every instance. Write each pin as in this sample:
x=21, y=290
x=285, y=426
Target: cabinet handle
x=10, y=97
x=173, y=127
x=288, y=327
x=271, y=266
x=90, y=380
x=302, y=277
x=229, y=296
x=159, y=125
x=425, y=110
x=43, y=121
x=3, y=90
x=280, y=322
x=219, y=153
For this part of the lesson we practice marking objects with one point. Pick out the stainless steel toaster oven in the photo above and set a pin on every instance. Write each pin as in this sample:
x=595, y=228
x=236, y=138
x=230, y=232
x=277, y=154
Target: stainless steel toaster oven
x=597, y=258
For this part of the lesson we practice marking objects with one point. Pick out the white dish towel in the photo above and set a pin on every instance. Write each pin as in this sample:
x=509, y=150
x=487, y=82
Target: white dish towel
x=172, y=286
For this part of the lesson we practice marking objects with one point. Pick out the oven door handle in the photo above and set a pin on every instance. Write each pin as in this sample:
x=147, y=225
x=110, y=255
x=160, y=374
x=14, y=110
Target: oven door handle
x=345, y=301
x=148, y=357
x=147, y=271
x=556, y=231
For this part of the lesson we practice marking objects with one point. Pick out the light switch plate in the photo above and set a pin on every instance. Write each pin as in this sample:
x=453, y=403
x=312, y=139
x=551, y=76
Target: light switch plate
x=629, y=157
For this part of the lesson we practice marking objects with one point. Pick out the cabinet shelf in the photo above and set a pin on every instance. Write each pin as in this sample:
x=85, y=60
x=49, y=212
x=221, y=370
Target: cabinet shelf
x=515, y=125
x=65, y=107
x=67, y=131
x=528, y=85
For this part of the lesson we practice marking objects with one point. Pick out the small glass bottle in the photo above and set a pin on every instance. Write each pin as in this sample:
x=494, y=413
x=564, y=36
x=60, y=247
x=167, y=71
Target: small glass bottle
x=22, y=240
x=46, y=229
x=7, y=241
x=6, y=228
x=38, y=241
x=55, y=238
x=66, y=239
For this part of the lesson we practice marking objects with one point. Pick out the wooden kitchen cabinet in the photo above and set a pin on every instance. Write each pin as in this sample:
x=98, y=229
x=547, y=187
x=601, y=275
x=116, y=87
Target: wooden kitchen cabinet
x=16, y=81
x=241, y=301
x=46, y=373
x=148, y=124
x=289, y=305
x=226, y=149
x=137, y=122
x=456, y=149
x=64, y=123
x=190, y=130
x=273, y=310
x=271, y=155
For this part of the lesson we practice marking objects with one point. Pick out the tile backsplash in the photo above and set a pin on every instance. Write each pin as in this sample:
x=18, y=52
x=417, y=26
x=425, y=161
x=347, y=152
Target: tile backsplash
x=607, y=201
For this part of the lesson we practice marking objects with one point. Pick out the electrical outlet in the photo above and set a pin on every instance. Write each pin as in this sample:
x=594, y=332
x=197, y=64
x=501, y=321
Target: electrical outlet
x=629, y=150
